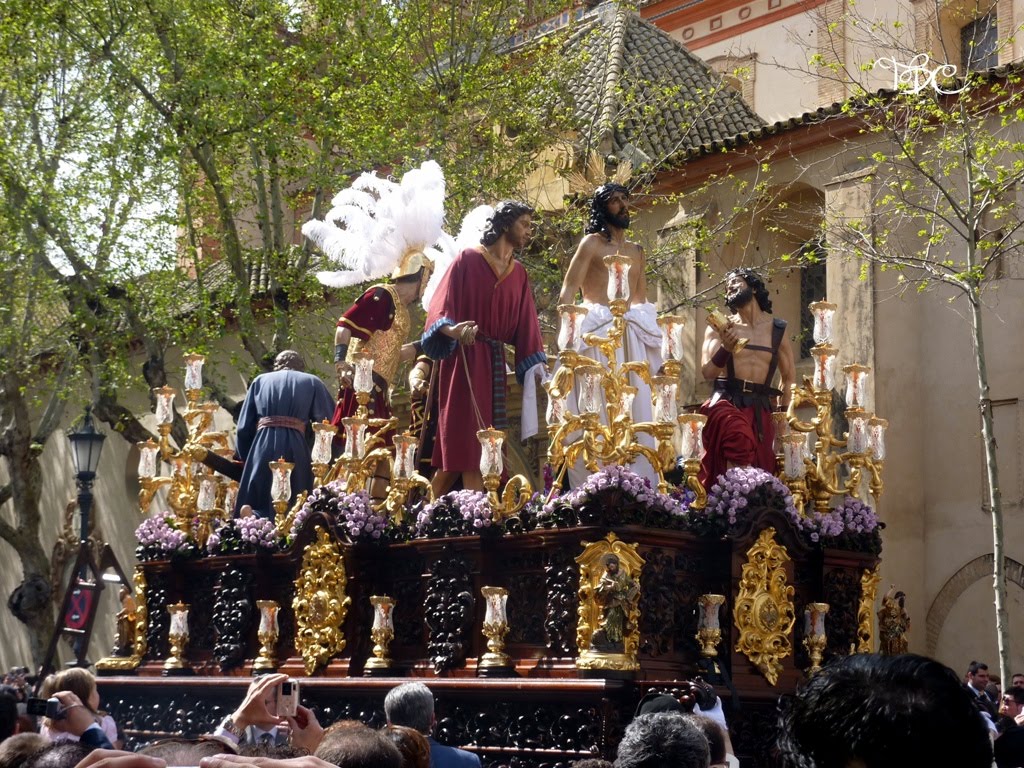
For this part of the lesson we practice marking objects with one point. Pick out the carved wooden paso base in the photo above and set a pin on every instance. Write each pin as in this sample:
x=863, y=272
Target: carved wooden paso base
x=439, y=616
x=527, y=723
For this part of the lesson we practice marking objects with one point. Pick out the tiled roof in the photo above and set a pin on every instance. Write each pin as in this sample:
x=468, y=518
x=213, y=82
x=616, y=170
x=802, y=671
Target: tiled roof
x=854, y=107
x=638, y=88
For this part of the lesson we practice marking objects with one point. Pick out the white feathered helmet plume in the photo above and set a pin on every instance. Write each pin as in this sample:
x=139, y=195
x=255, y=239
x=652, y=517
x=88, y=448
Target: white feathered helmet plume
x=447, y=247
x=378, y=228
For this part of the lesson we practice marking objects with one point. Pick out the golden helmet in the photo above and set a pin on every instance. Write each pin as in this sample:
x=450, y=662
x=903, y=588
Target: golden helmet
x=412, y=262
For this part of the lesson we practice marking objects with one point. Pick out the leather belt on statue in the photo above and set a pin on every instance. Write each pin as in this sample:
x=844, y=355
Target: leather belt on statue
x=287, y=422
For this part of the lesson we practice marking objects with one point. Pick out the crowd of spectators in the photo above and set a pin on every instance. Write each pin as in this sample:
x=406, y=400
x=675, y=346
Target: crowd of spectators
x=862, y=711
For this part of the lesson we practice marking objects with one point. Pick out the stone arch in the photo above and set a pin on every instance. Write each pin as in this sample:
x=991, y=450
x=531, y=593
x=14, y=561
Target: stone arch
x=956, y=585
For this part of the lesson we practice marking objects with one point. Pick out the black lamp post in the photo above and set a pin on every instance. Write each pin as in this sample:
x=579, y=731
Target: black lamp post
x=86, y=447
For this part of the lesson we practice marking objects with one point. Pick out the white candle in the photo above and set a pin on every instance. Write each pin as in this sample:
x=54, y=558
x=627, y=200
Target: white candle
x=494, y=605
x=362, y=381
x=491, y=442
x=672, y=340
x=194, y=371
x=692, y=428
x=618, y=276
x=147, y=459
x=179, y=619
x=824, y=313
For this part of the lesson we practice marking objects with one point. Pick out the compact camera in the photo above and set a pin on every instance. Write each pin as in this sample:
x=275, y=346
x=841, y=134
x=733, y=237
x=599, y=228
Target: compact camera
x=51, y=708
x=287, y=698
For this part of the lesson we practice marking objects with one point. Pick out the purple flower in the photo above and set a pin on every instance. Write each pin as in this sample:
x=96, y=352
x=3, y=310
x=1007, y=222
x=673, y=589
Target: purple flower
x=630, y=483
x=732, y=492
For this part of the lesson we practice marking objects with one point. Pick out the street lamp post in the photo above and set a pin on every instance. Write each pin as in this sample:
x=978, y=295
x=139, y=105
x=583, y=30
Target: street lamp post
x=86, y=447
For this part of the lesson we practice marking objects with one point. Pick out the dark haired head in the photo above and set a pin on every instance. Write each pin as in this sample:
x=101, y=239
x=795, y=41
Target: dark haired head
x=271, y=751
x=359, y=748
x=506, y=213
x=975, y=666
x=757, y=287
x=714, y=734
x=662, y=740
x=411, y=743
x=289, y=360
x=881, y=711
x=17, y=749
x=62, y=754
x=599, y=218
x=1016, y=693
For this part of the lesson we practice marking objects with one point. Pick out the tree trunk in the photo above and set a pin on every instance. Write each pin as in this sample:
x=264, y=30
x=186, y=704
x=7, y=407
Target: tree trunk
x=32, y=601
x=995, y=496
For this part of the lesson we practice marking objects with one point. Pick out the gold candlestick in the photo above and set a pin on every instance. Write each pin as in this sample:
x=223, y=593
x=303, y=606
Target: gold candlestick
x=381, y=633
x=815, y=638
x=175, y=664
x=267, y=634
x=709, y=631
x=495, y=628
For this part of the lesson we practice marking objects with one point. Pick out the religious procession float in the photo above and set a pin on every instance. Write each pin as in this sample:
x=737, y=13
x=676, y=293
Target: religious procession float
x=538, y=616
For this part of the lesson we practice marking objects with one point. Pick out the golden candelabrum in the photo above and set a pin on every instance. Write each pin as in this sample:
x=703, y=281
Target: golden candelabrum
x=281, y=486
x=193, y=490
x=709, y=628
x=517, y=490
x=177, y=637
x=815, y=639
x=268, y=634
x=366, y=454
x=494, y=629
x=817, y=463
x=382, y=632
x=602, y=431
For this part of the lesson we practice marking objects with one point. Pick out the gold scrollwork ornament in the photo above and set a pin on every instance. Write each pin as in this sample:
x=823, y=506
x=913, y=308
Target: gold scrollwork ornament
x=763, y=611
x=608, y=631
x=320, y=602
x=866, y=610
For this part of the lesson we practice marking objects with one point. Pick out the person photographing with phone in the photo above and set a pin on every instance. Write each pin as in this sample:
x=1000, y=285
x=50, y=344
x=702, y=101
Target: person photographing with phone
x=68, y=718
x=271, y=714
x=82, y=685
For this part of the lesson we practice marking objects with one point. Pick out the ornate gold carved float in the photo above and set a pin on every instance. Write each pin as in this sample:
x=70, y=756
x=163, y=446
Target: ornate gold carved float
x=764, y=613
x=320, y=602
x=608, y=632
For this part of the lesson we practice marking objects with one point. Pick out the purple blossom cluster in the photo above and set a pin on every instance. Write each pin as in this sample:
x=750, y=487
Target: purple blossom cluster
x=731, y=494
x=244, y=534
x=471, y=508
x=353, y=512
x=324, y=498
x=852, y=516
x=616, y=476
x=159, y=536
x=357, y=518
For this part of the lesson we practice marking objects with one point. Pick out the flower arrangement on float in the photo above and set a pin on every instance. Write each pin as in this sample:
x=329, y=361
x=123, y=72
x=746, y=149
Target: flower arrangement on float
x=160, y=538
x=244, y=535
x=616, y=495
x=351, y=512
x=735, y=492
x=851, y=525
x=457, y=513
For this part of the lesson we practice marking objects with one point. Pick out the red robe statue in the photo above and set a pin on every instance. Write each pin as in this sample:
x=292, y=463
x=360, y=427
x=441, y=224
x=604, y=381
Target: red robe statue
x=504, y=311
